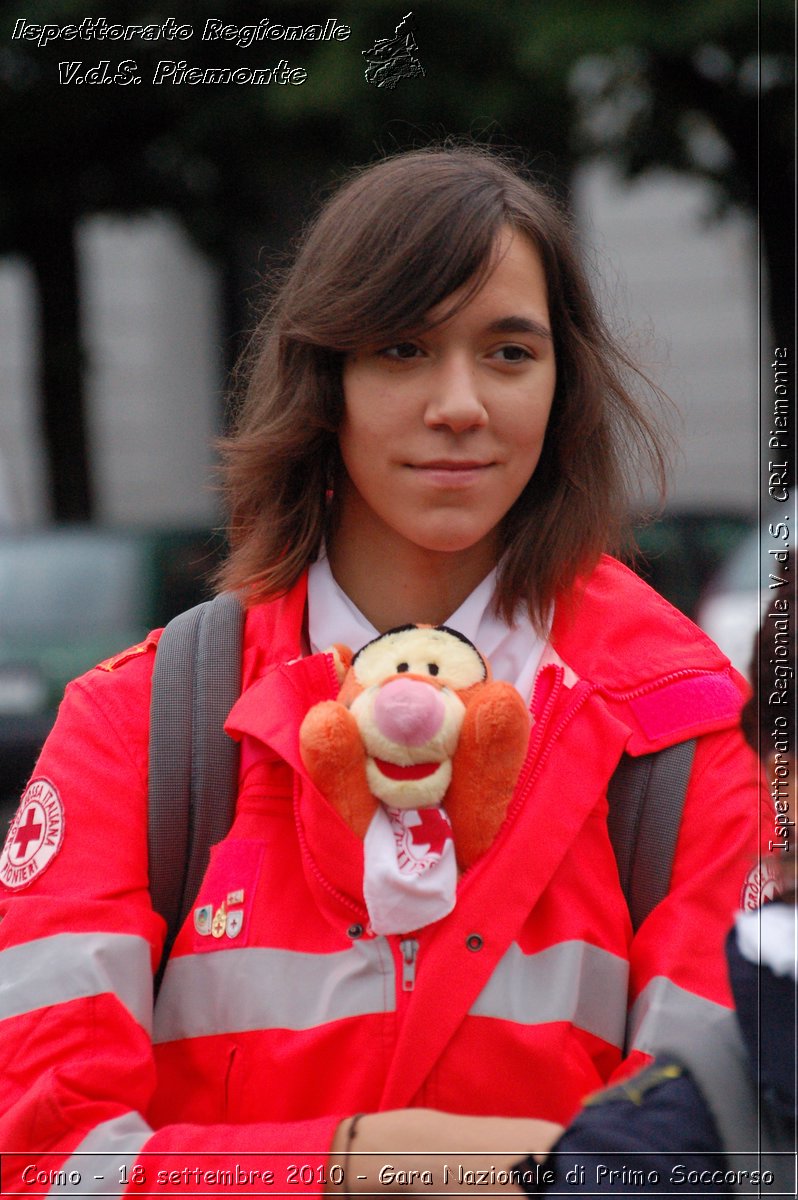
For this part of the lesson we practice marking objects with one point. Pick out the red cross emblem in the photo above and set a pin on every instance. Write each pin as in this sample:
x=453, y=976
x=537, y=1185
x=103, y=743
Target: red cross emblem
x=31, y=831
x=35, y=836
x=432, y=830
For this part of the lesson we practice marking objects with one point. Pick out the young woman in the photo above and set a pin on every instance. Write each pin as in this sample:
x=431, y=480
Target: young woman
x=436, y=428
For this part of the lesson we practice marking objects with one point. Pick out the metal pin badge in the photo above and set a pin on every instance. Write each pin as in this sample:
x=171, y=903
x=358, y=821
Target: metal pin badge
x=203, y=916
x=219, y=921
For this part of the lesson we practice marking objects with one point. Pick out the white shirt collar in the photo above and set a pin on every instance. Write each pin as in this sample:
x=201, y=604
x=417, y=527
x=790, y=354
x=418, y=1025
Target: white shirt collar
x=514, y=652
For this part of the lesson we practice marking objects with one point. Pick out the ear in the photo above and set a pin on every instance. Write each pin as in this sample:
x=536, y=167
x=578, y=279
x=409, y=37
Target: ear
x=342, y=658
x=485, y=768
x=334, y=757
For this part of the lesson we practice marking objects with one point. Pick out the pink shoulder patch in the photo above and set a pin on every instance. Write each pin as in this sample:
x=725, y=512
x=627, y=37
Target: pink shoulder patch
x=688, y=702
x=35, y=836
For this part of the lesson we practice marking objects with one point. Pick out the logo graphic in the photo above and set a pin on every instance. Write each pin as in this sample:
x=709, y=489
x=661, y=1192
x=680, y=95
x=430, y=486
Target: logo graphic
x=35, y=836
x=392, y=59
x=761, y=884
x=420, y=836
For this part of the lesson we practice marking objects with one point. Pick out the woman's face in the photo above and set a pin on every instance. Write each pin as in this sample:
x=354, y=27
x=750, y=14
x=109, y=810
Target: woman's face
x=442, y=431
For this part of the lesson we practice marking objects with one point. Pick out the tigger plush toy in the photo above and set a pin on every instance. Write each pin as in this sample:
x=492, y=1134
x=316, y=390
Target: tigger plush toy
x=419, y=755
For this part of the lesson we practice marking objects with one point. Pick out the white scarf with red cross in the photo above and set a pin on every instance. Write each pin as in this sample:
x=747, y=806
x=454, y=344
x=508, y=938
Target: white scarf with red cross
x=410, y=874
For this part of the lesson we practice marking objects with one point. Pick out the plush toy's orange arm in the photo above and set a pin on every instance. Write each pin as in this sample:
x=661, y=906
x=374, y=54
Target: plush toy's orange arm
x=491, y=750
x=332, y=750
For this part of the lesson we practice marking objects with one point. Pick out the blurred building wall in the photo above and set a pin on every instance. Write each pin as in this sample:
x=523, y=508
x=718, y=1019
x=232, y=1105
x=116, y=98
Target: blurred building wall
x=151, y=311
x=21, y=476
x=686, y=288
x=154, y=381
x=150, y=314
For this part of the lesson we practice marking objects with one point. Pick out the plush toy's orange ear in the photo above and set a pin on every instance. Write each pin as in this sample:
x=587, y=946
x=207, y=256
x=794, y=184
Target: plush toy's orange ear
x=489, y=756
x=333, y=753
x=342, y=657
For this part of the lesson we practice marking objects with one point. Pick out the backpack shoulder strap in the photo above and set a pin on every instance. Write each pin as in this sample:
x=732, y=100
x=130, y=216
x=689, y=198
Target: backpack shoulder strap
x=646, y=799
x=193, y=765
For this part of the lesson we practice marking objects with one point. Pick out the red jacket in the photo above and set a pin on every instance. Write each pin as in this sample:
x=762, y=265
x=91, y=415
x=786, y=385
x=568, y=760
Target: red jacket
x=279, y=1014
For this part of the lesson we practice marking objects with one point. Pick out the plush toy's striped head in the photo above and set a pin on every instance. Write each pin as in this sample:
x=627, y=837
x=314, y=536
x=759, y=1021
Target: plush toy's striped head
x=407, y=691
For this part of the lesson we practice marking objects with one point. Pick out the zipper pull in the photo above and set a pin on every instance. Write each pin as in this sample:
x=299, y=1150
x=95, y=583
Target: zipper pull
x=409, y=948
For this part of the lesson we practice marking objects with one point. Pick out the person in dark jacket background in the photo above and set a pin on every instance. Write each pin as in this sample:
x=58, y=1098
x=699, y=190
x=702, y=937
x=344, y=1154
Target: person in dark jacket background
x=725, y=1099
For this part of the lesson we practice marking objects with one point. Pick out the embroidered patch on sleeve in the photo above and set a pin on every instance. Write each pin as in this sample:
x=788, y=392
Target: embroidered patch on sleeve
x=35, y=836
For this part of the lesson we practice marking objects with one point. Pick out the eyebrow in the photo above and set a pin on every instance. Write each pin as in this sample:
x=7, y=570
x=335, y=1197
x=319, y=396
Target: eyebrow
x=516, y=324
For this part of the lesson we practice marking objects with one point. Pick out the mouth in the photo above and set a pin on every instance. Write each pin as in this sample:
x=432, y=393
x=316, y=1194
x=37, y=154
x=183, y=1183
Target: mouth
x=451, y=473
x=413, y=771
x=452, y=464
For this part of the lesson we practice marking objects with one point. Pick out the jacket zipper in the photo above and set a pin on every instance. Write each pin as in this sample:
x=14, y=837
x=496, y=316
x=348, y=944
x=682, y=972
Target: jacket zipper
x=352, y=905
x=409, y=951
x=405, y=956
x=685, y=673
x=566, y=719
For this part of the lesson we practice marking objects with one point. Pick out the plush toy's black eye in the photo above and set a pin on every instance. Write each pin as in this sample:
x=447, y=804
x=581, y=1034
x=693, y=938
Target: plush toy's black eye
x=403, y=667
x=433, y=668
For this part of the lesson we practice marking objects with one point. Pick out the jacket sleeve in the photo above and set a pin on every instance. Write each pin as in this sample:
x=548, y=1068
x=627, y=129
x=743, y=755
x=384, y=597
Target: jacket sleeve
x=678, y=976
x=78, y=943
x=652, y=1134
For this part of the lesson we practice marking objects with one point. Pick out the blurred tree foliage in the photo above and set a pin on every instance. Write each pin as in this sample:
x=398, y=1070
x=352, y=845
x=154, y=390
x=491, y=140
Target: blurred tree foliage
x=650, y=85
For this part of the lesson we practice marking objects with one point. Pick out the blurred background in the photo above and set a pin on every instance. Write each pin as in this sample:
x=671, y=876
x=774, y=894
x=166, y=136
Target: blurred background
x=137, y=221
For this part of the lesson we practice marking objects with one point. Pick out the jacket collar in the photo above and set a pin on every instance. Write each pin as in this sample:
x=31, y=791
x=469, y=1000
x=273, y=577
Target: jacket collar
x=619, y=633
x=660, y=674
x=616, y=632
x=273, y=632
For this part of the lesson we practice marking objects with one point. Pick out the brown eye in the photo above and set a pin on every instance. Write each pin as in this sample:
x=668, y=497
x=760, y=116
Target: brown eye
x=514, y=354
x=433, y=668
x=402, y=351
x=403, y=667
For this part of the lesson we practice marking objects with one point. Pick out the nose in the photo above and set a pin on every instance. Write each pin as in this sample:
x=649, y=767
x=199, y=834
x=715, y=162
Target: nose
x=408, y=711
x=455, y=402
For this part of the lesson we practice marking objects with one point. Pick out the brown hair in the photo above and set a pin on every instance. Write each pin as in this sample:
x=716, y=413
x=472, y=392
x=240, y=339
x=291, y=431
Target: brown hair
x=395, y=240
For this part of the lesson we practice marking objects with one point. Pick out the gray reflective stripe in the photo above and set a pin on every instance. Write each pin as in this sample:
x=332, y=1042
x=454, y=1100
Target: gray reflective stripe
x=259, y=988
x=664, y=1015
x=572, y=981
x=71, y=966
x=104, y=1158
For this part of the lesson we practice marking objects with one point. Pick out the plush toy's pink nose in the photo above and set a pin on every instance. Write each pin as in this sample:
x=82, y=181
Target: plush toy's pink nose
x=408, y=711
